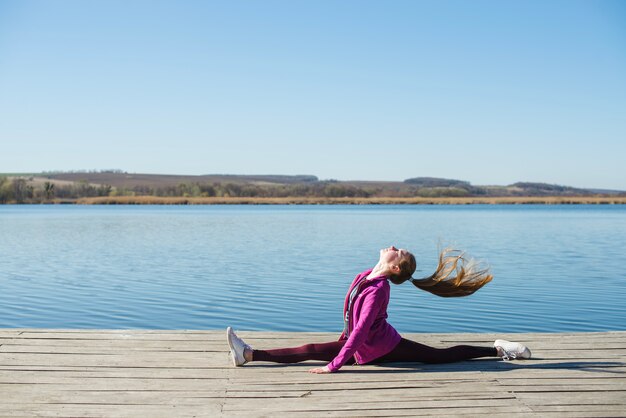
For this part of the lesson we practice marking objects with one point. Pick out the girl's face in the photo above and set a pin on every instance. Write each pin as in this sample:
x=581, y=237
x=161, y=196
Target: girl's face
x=392, y=256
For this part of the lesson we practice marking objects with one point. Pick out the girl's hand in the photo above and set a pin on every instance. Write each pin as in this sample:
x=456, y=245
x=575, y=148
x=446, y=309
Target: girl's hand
x=320, y=370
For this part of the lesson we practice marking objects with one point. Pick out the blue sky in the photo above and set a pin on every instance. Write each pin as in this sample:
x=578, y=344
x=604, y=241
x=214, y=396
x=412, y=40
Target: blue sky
x=491, y=92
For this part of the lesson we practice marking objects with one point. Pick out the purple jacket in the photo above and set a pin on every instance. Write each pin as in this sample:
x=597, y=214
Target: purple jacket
x=371, y=336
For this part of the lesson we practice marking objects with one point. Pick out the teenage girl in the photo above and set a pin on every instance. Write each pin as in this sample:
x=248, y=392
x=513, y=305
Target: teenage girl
x=368, y=338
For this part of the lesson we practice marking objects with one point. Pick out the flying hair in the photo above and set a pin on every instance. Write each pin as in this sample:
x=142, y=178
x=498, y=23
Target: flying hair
x=456, y=275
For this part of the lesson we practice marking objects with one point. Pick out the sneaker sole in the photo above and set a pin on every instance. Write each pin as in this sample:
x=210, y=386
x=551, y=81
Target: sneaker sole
x=233, y=357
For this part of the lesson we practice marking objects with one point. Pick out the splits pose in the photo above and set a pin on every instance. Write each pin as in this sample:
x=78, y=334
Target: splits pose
x=368, y=338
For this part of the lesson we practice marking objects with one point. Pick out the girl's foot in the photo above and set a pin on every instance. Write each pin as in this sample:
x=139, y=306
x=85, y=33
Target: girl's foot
x=510, y=351
x=240, y=352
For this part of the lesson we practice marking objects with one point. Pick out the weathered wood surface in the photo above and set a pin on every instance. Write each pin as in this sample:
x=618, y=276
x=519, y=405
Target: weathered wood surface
x=122, y=373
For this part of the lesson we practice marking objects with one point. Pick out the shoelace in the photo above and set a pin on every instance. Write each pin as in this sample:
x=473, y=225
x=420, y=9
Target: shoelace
x=507, y=355
x=244, y=345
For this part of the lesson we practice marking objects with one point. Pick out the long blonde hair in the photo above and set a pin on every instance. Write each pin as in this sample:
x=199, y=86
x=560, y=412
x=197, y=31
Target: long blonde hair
x=456, y=274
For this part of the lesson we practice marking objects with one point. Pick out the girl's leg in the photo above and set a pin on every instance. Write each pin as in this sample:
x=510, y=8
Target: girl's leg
x=322, y=351
x=409, y=351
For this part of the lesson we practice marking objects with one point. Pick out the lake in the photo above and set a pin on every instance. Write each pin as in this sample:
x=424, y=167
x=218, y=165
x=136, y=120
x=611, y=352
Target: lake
x=287, y=268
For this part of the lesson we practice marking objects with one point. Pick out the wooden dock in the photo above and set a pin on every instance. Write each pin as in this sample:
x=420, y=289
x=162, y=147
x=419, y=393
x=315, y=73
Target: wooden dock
x=124, y=373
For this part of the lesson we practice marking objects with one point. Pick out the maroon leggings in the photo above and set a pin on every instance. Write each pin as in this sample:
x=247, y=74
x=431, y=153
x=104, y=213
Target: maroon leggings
x=405, y=351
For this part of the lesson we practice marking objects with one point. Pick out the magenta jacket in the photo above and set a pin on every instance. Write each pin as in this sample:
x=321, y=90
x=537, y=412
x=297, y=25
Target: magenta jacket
x=371, y=336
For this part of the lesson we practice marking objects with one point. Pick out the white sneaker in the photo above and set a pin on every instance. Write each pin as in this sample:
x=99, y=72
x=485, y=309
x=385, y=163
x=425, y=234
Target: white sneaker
x=512, y=351
x=237, y=347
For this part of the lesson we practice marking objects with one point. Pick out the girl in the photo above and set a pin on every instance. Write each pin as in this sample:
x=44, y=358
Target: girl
x=367, y=337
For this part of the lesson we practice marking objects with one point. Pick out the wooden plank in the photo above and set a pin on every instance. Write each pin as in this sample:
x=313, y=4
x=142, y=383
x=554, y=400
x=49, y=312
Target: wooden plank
x=86, y=349
x=572, y=397
x=114, y=359
x=113, y=411
x=304, y=404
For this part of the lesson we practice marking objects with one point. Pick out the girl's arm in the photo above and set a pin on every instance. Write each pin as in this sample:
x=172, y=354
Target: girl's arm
x=371, y=306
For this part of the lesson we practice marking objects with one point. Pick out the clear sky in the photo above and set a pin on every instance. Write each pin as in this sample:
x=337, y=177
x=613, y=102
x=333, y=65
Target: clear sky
x=491, y=92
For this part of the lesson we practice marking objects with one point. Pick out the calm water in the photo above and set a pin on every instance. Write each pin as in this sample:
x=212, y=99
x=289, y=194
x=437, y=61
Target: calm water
x=557, y=268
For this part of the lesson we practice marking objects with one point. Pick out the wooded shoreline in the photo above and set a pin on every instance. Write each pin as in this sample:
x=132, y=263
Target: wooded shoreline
x=507, y=200
x=122, y=188
x=136, y=189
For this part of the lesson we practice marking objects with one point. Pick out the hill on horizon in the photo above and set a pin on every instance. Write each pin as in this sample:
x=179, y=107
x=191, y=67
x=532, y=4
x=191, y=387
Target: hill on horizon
x=76, y=184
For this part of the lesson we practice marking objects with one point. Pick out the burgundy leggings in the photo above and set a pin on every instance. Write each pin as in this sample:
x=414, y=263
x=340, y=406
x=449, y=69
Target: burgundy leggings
x=405, y=351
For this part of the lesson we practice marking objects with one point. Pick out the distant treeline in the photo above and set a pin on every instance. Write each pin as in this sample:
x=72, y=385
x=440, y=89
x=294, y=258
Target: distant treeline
x=319, y=189
x=25, y=190
x=44, y=189
x=109, y=171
